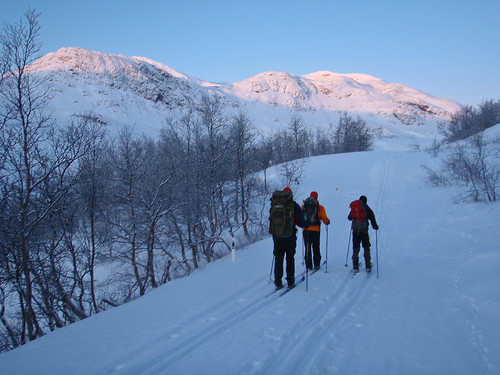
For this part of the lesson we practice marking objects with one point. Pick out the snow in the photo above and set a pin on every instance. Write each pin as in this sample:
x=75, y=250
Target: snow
x=325, y=90
x=433, y=309
x=141, y=93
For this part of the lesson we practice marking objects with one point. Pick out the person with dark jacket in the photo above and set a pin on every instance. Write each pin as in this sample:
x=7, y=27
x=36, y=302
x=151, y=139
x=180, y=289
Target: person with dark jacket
x=311, y=236
x=286, y=246
x=360, y=235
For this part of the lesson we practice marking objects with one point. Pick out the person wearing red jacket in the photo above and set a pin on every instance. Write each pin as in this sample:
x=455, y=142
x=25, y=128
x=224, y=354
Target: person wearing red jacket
x=311, y=234
x=360, y=234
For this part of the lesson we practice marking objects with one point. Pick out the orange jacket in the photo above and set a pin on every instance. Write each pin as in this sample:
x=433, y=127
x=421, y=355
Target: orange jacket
x=321, y=216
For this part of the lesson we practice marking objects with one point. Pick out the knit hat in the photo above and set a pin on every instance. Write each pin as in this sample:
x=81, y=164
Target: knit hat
x=314, y=194
x=363, y=198
x=288, y=189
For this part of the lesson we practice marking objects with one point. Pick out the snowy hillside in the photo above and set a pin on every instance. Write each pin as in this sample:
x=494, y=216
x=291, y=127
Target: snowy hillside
x=341, y=92
x=433, y=310
x=138, y=91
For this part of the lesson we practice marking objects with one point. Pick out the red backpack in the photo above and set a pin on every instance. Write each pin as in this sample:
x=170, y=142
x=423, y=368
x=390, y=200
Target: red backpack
x=358, y=213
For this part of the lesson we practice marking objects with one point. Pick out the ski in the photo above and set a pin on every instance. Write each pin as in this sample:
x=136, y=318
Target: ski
x=282, y=290
x=314, y=271
x=301, y=280
x=271, y=293
x=355, y=272
x=369, y=271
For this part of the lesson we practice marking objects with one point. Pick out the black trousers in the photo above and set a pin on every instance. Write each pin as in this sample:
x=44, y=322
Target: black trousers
x=284, y=247
x=358, y=238
x=311, y=242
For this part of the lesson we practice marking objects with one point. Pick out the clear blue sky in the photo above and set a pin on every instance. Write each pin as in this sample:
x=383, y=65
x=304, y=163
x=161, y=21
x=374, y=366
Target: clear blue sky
x=447, y=48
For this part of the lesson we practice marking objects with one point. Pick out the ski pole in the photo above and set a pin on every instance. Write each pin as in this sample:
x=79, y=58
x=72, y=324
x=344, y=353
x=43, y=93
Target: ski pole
x=348, y=245
x=303, y=256
x=376, y=248
x=307, y=279
x=270, y=273
x=308, y=254
x=326, y=261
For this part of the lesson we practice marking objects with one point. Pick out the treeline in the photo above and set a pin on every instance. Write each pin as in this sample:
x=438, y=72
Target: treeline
x=470, y=121
x=91, y=220
x=472, y=162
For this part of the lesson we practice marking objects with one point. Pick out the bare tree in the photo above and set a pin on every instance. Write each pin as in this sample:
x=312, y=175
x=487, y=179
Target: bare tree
x=243, y=137
x=154, y=201
x=127, y=161
x=351, y=135
x=93, y=197
x=470, y=121
x=291, y=172
x=323, y=143
x=473, y=166
x=39, y=172
x=26, y=128
x=215, y=122
x=300, y=136
x=179, y=142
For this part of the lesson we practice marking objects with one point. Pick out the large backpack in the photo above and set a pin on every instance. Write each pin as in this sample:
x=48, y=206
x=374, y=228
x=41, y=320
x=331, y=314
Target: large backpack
x=358, y=215
x=311, y=211
x=282, y=214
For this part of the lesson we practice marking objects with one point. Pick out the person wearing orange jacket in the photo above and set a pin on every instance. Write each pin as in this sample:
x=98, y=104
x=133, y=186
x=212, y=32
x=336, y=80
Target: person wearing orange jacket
x=311, y=234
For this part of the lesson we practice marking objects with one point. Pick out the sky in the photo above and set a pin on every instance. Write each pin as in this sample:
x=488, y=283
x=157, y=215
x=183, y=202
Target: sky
x=447, y=48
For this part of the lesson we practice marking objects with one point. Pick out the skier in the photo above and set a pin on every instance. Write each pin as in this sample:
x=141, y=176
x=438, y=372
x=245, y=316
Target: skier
x=286, y=246
x=359, y=229
x=314, y=214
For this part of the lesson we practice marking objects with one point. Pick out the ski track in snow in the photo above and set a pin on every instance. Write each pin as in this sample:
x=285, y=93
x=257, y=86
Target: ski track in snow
x=215, y=320
x=384, y=206
x=298, y=349
x=294, y=352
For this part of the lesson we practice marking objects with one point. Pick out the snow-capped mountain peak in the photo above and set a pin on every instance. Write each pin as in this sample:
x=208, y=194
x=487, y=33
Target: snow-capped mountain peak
x=138, y=90
x=352, y=92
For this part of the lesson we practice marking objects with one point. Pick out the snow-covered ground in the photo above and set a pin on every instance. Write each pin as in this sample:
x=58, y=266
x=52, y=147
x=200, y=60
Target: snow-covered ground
x=434, y=309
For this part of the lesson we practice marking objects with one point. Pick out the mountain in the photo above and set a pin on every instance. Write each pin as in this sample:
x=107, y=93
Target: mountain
x=433, y=309
x=340, y=92
x=139, y=91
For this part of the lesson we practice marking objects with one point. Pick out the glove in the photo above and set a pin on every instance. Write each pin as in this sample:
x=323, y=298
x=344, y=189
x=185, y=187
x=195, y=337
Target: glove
x=375, y=226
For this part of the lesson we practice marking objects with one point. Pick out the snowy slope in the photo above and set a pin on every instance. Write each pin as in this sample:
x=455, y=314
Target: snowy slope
x=139, y=92
x=341, y=92
x=433, y=310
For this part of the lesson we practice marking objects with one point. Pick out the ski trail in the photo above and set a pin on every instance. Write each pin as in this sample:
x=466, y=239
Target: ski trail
x=185, y=337
x=314, y=329
x=381, y=178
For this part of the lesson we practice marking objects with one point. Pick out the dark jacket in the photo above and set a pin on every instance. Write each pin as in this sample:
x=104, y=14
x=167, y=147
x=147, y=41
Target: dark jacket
x=299, y=221
x=299, y=216
x=370, y=216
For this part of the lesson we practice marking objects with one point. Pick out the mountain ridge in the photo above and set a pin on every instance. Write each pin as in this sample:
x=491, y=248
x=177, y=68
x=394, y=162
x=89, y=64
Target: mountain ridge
x=114, y=85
